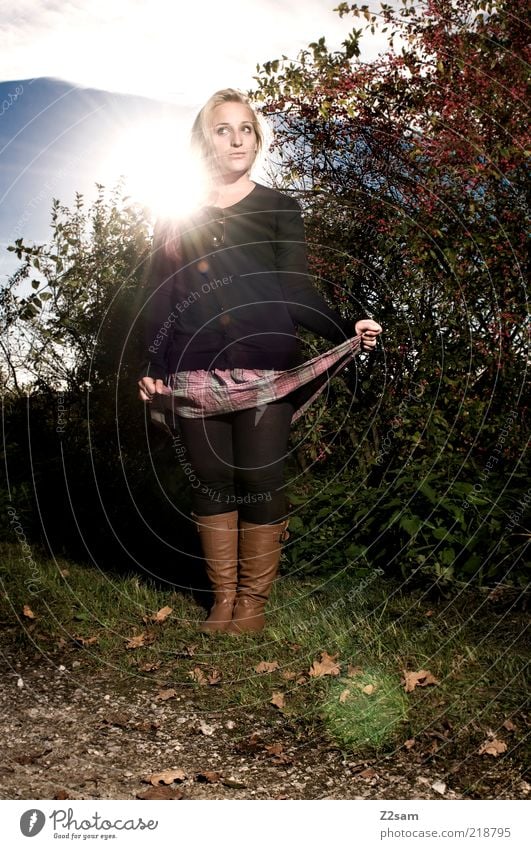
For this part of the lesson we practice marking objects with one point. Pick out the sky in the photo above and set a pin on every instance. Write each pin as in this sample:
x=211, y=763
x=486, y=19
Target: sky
x=161, y=48
x=90, y=89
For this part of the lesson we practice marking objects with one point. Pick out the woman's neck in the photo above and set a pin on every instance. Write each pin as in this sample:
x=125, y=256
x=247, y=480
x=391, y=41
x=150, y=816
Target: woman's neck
x=225, y=192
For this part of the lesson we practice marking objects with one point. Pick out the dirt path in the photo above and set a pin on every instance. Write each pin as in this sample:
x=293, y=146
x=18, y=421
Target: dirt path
x=70, y=733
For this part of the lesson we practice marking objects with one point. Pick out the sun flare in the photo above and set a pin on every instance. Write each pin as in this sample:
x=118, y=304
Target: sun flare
x=158, y=168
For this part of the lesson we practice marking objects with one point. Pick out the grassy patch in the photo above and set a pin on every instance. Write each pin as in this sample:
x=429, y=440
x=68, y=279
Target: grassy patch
x=367, y=710
x=367, y=623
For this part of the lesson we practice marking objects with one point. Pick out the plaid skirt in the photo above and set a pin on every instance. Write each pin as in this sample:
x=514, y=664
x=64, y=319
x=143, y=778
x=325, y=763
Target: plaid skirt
x=200, y=393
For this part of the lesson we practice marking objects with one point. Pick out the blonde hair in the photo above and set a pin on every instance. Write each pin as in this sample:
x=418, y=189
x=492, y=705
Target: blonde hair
x=201, y=136
x=166, y=237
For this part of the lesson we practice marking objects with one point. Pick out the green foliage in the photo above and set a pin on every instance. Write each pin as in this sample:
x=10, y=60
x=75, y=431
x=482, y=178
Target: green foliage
x=71, y=329
x=427, y=525
x=83, y=465
x=412, y=170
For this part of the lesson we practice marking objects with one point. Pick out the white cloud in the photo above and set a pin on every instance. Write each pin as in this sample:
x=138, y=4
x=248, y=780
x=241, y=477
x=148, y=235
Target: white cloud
x=162, y=49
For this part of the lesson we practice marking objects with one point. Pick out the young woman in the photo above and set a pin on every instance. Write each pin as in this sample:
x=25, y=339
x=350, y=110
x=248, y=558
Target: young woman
x=228, y=285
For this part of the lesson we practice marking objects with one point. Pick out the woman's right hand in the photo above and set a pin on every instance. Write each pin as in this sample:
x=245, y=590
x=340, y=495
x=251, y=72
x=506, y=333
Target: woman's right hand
x=149, y=387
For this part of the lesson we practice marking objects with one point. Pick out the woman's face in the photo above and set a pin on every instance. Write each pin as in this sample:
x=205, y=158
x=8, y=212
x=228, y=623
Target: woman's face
x=233, y=138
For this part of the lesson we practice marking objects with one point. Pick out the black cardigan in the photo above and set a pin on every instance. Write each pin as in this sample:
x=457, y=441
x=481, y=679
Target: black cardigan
x=235, y=305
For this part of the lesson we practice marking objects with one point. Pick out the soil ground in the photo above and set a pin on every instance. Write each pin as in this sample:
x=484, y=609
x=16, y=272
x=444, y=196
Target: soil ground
x=73, y=732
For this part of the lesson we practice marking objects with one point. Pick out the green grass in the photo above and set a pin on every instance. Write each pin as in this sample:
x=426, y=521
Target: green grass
x=366, y=711
x=472, y=648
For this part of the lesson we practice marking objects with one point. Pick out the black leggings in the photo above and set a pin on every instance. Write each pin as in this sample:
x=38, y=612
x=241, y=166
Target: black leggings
x=237, y=462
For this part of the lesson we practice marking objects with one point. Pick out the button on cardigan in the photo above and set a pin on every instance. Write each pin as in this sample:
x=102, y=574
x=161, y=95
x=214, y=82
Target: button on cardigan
x=238, y=292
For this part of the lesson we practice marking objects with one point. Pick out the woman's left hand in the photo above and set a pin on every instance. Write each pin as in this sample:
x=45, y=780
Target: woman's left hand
x=369, y=331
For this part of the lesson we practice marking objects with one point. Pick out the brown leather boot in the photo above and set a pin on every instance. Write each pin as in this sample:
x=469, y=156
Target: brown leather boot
x=259, y=556
x=219, y=541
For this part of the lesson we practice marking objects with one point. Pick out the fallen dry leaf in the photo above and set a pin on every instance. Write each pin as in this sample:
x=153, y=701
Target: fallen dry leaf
x=150, y=666
x=277, y=753
x=266, y=666
x=160, y=616
x=422, y=678
x=27, y=611
x=326, y=666
x=161, y=792
x=214, y=677
x=168, y=776
x=277, y=699
x=288, y=674
x=439, y=787
x=85, y=641
x=198, y=675
x=29, y=757
x=409, y=743
x=208, y=777
x=370, y=772
x=140, y=640
x=492, y=747
x=115, y=718
x=368, y=689
x=147, y=725
x=62, y=794
x=353, y=670
x=509, y=726
x=164, y=695
x=344, y=695
x=252, y=745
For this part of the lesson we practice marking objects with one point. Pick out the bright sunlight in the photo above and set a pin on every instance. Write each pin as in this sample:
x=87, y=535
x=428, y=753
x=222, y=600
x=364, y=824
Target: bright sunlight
x=158, y=167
